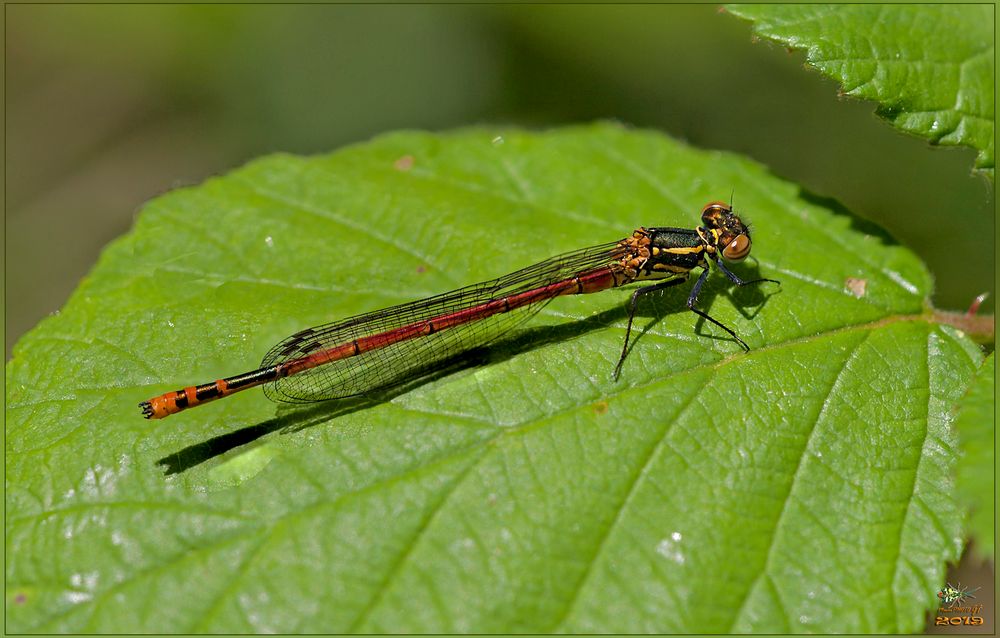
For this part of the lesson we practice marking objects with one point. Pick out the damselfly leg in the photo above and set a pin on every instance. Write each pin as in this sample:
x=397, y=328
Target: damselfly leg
x=691, y=301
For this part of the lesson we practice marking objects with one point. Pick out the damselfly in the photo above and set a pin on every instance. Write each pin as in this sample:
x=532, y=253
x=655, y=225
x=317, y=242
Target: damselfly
x=383, y=348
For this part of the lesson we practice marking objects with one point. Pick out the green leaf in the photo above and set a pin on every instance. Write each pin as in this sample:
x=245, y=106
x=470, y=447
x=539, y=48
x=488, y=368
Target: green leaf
x=929, y=67
x=707, y=490
x=975, y=428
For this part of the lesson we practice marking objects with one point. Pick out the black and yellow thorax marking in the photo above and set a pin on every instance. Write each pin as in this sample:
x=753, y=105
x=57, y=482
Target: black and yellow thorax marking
x=660, y=253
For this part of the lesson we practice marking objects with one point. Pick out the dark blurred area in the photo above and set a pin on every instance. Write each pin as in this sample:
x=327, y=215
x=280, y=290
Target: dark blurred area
x=108, y=106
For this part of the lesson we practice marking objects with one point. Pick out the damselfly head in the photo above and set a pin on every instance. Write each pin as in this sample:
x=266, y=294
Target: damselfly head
x=714, y=212
x=733, y=235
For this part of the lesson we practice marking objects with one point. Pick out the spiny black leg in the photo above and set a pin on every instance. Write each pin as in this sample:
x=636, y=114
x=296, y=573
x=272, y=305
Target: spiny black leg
x=733, y=277
x=631, y=313
x=693, y=298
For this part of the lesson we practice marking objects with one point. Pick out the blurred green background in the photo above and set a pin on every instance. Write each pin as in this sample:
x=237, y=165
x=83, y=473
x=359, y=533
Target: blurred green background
x=108, y=106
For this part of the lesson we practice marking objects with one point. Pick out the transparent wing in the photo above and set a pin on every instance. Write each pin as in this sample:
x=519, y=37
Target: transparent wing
x=395, y=363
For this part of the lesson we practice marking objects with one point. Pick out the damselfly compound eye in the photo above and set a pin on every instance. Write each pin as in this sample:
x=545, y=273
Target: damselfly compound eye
x=738, y=249
x=713, y=212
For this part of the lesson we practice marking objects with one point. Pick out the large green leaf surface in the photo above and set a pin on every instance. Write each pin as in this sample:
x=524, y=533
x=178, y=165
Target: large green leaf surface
x=976, y=429
x=929, y=67
x=801, y=487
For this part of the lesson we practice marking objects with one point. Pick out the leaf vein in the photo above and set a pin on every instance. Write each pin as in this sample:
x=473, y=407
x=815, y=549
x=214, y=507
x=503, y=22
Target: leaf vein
x=795, y=476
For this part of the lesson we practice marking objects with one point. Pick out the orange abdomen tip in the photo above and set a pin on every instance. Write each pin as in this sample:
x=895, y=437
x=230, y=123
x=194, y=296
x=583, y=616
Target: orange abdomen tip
x=161, y=406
